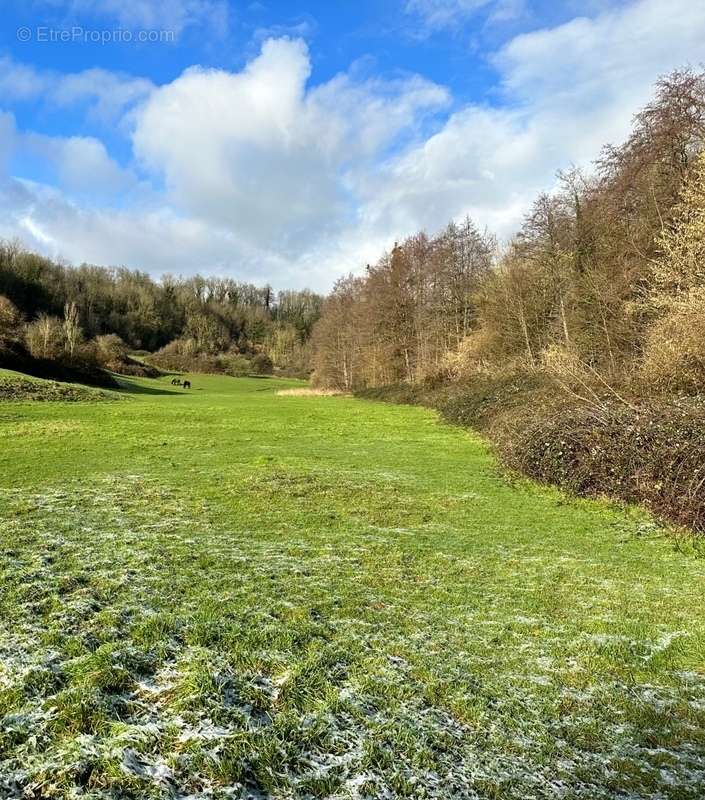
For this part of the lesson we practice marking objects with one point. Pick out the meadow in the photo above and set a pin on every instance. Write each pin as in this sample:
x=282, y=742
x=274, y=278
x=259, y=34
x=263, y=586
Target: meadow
x=232, y=593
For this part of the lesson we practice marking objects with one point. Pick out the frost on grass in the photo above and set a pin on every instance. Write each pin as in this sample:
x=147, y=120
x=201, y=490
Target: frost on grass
x=149, y=651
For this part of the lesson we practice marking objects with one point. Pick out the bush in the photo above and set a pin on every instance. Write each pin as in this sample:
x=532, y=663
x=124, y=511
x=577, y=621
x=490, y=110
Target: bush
x=650, y=452
x=653, y=453
x=674, y=353
x=21, y=389
x=182, y=355
x=9, y=318
x=262, y=364
x=473, y=355
x=301, y=373
x=111, y=354
x=236, y=364
x=84, y=353
x=45, y=337
x=109, y=349
x=16, y=357
x=136, y=369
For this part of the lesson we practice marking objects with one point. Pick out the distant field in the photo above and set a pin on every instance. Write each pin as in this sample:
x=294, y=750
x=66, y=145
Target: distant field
x=229, y=592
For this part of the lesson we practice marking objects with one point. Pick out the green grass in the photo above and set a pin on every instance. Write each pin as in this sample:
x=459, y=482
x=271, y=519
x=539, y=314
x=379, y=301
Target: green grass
x=229, y=593
x=14, y=386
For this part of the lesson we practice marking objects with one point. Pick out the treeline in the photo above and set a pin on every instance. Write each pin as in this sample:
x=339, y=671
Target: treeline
x=596, y=276
x=400, y=320
x=590, y=322
x=209, y=323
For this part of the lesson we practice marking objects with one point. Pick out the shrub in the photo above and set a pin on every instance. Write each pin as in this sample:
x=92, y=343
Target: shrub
x=473, y=355
x=110, y=349
x=9, y=318
x=15, y=356
x=45, y=337
x=177, y=355
x=674, y=353
x=262, y=364
x=20, y=388
x=651, y=452
x=236, y=364
x=183, y=355
x=85, y=353
x=137, y=369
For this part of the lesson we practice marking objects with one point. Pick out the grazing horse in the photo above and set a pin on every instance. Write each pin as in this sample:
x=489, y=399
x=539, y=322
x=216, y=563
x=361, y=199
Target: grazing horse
x=186, y=384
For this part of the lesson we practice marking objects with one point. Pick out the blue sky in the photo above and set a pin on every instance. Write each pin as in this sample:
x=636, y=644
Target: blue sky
x=292, y=142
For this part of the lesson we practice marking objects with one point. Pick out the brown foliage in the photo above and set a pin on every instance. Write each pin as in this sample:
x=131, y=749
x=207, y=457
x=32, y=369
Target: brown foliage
x=44, y=337
x=674, y=351
x=581, y=275
x=9, y=318
x=399, y=321
x=565, y=353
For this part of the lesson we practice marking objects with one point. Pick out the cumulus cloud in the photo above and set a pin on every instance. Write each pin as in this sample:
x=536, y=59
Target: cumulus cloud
x=259, y=153
x=568, y=90
x=256, y=167
x=81, y=163
x=147, y=237
x=19, y=81
x=109, y=95
x=150, y=237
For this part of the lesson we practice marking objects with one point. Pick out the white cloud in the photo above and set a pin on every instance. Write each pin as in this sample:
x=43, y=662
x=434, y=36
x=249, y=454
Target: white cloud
x=8, y=136
x=303, y=29
x=107, y=95
x=151, y=238
x=608, y=56
x=260, y=154
x=438, y=14
x=147, y=238
x=483, y=162
x=232, y=147
x=172, y=15
x=81, y=163
x=19, y=81
x=256, y=167
x=568, y=91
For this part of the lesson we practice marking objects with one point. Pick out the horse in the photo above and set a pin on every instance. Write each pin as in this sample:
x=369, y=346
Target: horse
x=186, y=384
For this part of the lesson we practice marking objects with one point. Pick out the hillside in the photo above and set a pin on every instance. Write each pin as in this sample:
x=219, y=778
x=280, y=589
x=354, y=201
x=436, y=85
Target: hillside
x=20, y=387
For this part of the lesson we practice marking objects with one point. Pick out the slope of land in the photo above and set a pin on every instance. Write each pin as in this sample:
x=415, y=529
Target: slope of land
x=21, y=387
x=228, y=592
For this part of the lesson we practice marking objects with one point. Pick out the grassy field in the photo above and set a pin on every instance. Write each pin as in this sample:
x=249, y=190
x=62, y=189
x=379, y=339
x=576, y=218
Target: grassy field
x=229, y=593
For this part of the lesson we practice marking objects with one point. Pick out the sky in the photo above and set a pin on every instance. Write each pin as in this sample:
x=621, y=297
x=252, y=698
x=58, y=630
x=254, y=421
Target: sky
x=291, y=142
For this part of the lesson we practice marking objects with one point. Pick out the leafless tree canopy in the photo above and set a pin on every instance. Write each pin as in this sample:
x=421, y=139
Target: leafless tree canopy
x=588, y=280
